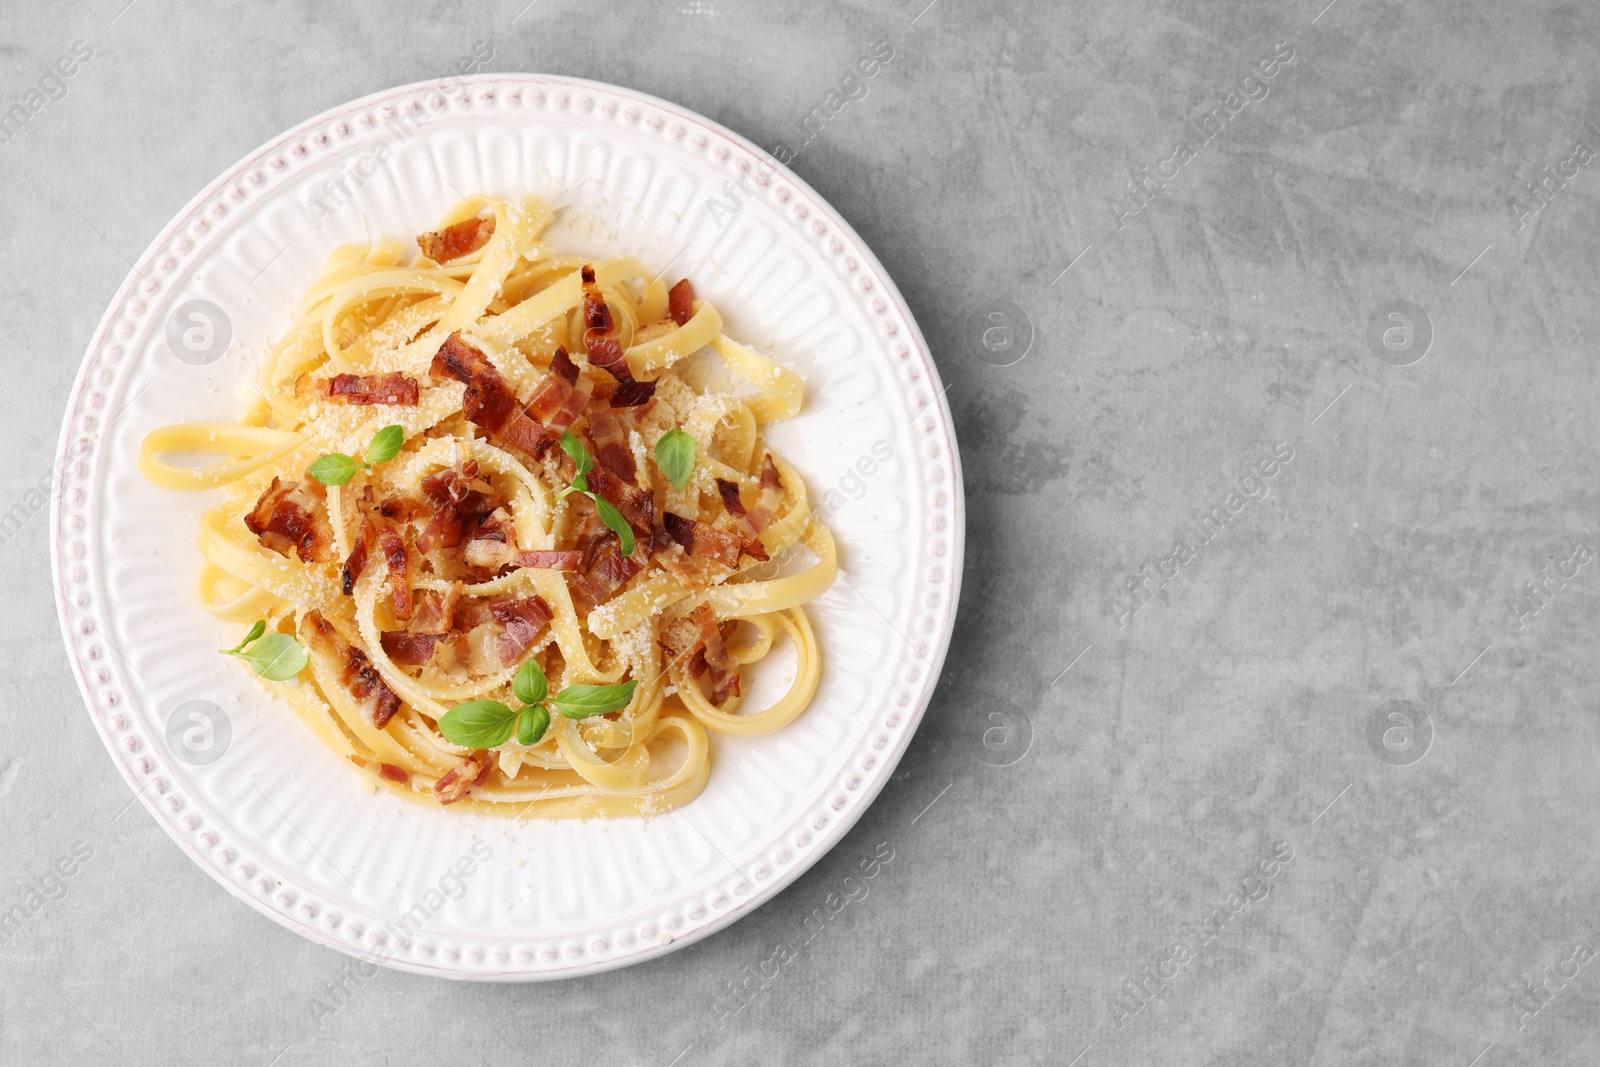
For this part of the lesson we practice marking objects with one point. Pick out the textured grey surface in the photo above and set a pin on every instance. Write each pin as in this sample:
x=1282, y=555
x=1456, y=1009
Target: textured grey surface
x=1100, y=874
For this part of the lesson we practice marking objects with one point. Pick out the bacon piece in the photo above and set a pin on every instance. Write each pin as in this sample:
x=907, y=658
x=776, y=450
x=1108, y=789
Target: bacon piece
x=492, y=547
x=288, y=515
x=401, y=509
x=553, y=395
x=760, y=516
x=461, y=780
x=409, y=649
x=680, y=302
x=769, y=474
x=387, y=771
x=488, y=402
x=550, y=559
x=563, y=418
x=713, y=656
x=432, y=619
x=435, y=612
x=611, y=443
x=356, y=673
x=702, y=541
x=457, y=240
x=459, y=498
x=601, y=342
x=524, y=620
x=633, y=394
x=390, y=388
x=637, y=505
x=357, y=562
x=697, y=639
x=752, y=545
x=399, y=563
x=610, y=571
x=730, y=497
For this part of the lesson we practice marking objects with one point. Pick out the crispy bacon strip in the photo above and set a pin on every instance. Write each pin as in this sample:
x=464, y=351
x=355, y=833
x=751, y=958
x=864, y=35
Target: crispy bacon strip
x=288, y=515
x=401, y=509
x=458, y=240
x=713, y=656
x=637, y=505
x=769, y=474
x=435, y=612
x=458, y=498
x=357, y=674
x=703, y=542
x=492, y=547
x=399, y=563
x=387, y=771
x=610, y=571
x=697, y=639
x=550, y=559
x=488, y=402
x=752, y=545
x=524, y=620
x=680, y=302
x=390, y=388
x=357, y=562
x=409, y=649
x=760, y=516
x=611, y=443
x=633, y=394
x=461, y=780
x=601, y=341
x=552, y=402
x=432, y=620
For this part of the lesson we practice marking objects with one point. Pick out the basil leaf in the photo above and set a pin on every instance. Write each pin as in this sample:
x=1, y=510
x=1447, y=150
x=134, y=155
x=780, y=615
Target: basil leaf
x=529, y=684
x=335, y=468
x=532, y=724
x=276, y=657
x=675, y=457
x=580, y=455
x=478, y=724
x=386, y=444
x=614, y=522
x=255, y=631
x=582, y=701
x=580, y=484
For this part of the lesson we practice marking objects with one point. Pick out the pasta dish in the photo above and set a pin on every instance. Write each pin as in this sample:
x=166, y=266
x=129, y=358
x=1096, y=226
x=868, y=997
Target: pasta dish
x=503, y=525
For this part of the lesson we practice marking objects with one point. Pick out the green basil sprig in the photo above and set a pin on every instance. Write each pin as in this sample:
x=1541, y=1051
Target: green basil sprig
x=490, y=724
x=336, y=468
x=276, y=657
x=580, y=484
x=675, y=457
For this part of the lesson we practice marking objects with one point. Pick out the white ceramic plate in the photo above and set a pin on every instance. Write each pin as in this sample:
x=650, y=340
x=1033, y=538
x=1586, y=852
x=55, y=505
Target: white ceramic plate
x=281, y=822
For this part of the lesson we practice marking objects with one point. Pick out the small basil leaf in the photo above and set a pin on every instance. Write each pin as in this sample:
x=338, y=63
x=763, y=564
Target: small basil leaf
x=255, y=631
x=580, y=455
x=582, y=701
x=386, y=444
x=529, y=684
x=276, y=657
x=675, y=457
x=532, y=724
x=478, y=724
x=335, y=468
x=580, y=484
x=615, y=523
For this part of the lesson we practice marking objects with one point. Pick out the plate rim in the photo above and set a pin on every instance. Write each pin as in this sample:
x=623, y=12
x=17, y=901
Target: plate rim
x=453, y=88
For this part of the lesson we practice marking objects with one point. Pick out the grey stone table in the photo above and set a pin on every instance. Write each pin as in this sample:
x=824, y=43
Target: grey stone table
x=1269, y=731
